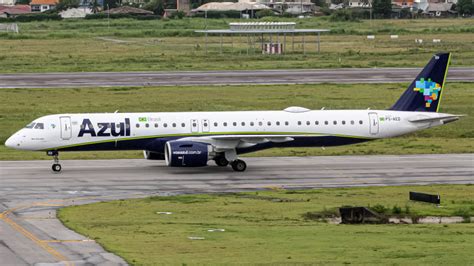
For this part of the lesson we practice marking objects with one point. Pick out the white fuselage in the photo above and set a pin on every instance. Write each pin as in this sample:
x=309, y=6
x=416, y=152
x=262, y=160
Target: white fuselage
x=63, y=131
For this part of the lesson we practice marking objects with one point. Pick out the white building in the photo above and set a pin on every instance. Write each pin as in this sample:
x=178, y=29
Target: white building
x=289, y=6
x=7, y=2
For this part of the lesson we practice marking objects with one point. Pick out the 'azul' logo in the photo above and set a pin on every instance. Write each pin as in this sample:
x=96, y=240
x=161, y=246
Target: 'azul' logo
x=430, y=90
x=105, y=129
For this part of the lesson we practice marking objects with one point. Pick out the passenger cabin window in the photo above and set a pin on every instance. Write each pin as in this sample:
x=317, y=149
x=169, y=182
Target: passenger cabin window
x=277, y=123
x=183, y=125
x=287, y=123
x=360, y=122
x=334, y=122
x=39, y=126
x=147, y=125
x=316, y=122
x=234, y=124
x=343, y=122
x=252, y=124
x=156, y=124
x=165, y=125
x=174, y=124
x=225, y=124
x=352, y=122
x=137, y=125
x=308, y=123
x=299, y=123
x=30, y=125
x=269, y=123
x=326, y=122
x=215, y=124
x=243, y=124
x=260, y=123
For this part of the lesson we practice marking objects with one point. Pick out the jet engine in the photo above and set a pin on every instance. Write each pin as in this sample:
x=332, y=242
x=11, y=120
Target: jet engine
x=151, y=155
x=188, y=153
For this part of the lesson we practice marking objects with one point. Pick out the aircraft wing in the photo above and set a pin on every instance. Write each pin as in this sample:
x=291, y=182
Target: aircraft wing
x=230, y=142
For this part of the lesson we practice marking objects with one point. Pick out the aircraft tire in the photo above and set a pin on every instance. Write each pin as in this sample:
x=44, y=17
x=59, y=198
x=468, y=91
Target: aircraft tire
x=239, y=165
x=221, y=161
x=56, y=167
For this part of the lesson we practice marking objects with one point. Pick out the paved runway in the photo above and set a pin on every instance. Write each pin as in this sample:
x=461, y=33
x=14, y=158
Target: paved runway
x=185, y=78
x=30, y=193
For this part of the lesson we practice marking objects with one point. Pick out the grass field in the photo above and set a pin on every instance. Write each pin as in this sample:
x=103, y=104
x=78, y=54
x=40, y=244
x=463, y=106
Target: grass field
x=76, y=45
x=270, y=227
x=24, y=105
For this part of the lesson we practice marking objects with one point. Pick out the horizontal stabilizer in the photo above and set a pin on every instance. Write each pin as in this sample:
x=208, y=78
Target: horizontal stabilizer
x=443, y=119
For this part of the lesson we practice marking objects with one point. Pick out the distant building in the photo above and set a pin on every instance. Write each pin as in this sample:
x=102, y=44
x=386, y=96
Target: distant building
x=80, y=12
x=289, y=6
x=359, y=4
x=43, y=5
x=439, y=9
x=404, y=3
x=13, y=11
x=7, y=2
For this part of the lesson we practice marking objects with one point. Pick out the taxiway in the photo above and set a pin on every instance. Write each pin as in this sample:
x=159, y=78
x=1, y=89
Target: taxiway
x=30, y=193
x=188, y=78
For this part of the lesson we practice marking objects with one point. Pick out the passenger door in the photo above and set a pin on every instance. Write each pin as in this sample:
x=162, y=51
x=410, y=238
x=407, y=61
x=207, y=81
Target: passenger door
x=66, y=130
x=374, y=123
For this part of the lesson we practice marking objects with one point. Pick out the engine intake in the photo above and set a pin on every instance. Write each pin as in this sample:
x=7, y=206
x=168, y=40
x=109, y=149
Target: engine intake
x=187, y=153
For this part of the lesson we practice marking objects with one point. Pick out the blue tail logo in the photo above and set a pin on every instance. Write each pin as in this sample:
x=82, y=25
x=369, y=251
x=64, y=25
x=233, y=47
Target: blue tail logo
x=425, y=92
x=429, y=89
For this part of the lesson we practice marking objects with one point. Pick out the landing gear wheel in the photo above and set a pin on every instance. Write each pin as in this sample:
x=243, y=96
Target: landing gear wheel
x=221, y=161
x=239, y=165
x=56, y=167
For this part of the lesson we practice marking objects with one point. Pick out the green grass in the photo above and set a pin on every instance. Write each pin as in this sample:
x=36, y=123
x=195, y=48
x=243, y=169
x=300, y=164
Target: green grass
x=269, y=227
x=74, y=45
x=24, y=105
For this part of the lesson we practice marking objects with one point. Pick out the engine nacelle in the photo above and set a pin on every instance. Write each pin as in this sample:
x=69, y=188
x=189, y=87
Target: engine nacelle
x=187, y=153
x=150, y=155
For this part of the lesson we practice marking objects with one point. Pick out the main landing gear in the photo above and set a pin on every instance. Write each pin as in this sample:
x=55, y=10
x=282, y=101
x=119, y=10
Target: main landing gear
x=56, y=167
x=237, y=164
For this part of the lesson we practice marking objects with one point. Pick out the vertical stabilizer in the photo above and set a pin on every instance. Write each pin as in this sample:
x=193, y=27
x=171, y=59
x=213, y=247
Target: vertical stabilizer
x=424, y=93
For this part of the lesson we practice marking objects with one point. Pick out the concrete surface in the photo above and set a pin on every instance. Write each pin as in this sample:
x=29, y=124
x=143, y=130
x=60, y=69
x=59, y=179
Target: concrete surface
x=30, y=193
x=301, y=76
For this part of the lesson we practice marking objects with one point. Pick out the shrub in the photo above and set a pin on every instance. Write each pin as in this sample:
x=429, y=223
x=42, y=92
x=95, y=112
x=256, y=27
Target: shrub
x=343, y=15
x=265, y=13
x=32, y=17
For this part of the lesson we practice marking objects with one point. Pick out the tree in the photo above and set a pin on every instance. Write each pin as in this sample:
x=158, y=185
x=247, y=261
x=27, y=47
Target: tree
x=110, y=4
x=157, y=6
x=66, y=4
x=382, y=8
x=465, y=7
x=94, y=6
x=320, y=3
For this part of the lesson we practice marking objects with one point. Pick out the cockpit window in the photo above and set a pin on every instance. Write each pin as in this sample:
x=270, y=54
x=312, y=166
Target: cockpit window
x=30, y=125
x=39, y=126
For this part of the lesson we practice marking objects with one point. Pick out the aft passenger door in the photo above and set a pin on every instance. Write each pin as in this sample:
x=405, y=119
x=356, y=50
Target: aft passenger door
x=66, y=130
x=374, y=123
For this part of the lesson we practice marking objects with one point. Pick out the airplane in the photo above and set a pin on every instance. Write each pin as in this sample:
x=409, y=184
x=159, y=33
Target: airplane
x=191, y=139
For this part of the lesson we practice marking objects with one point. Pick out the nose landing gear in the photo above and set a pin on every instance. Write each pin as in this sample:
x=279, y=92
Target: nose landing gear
x=56, y=167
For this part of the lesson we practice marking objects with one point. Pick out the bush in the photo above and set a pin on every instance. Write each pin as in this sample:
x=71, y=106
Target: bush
x=343, y=15
x=219, y=14
x=116, y=16
x=265, y=13
x=177, y=15
x=32, y=17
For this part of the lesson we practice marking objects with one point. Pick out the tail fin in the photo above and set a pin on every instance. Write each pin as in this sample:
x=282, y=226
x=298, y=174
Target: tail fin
x=424, y=93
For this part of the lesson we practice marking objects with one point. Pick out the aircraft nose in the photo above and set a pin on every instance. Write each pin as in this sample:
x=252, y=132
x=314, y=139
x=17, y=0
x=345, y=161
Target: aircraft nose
x=11, y=142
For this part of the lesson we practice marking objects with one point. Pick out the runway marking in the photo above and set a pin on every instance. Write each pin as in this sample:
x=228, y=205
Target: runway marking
x=68, y=241
x=32, y=237
x=44, y=243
